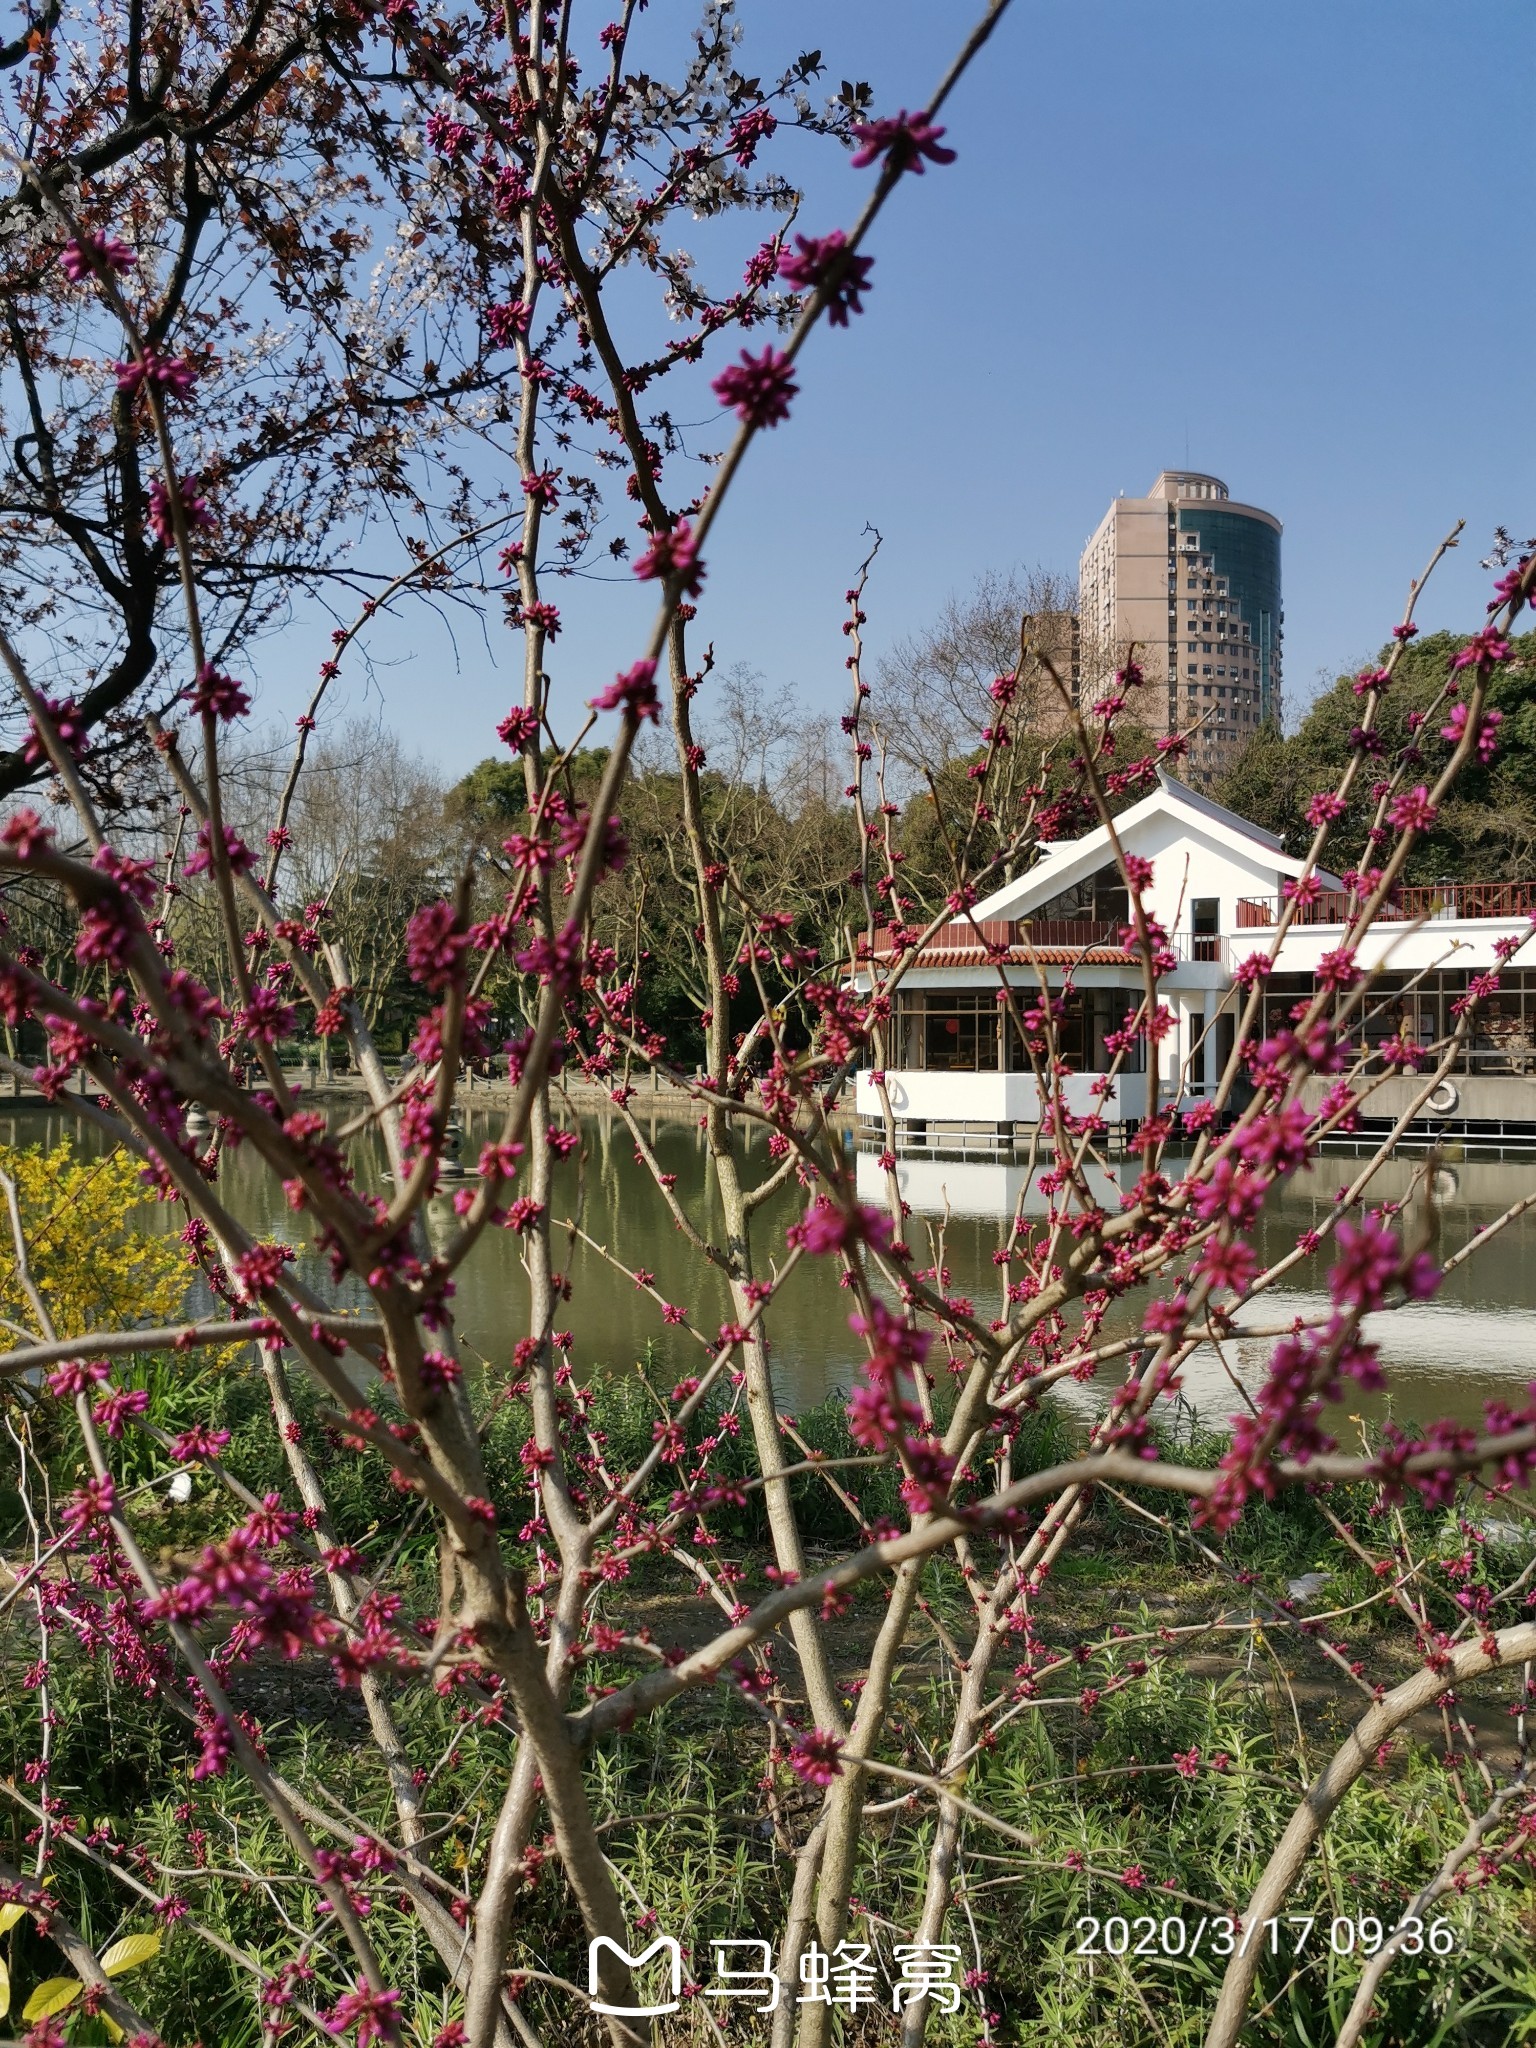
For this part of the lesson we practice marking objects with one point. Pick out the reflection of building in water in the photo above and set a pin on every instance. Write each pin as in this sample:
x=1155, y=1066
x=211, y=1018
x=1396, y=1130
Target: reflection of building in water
x=975, y=1187
x=959, y=1079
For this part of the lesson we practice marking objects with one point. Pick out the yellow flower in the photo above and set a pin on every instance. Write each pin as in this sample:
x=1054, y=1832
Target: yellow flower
x=93, y=1266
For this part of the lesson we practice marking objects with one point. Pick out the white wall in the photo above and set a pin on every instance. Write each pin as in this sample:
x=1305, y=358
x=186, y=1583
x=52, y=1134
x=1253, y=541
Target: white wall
x=1189, y=858
x=1456, y=942
x=1186, y=864
x=990, y=1098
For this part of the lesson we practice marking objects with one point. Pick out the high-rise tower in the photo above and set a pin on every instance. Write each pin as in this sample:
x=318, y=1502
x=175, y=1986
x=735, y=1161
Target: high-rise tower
x=1193, y=580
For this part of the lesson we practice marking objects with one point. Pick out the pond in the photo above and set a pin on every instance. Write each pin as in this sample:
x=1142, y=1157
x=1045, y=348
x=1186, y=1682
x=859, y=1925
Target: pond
x=1475, y=1341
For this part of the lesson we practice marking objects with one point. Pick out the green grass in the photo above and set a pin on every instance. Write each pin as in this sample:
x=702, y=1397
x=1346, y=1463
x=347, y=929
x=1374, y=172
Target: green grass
x=689, y=1813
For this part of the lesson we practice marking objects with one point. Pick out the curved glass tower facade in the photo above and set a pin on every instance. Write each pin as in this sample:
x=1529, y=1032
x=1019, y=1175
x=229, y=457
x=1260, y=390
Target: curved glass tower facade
x=1192, y=580
x=1239, y=548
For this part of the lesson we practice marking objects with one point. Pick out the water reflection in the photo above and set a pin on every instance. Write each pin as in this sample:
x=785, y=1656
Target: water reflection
x=1477, y=1340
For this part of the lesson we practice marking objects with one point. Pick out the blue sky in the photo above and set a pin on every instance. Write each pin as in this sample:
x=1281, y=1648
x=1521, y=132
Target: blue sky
x=1287, y=244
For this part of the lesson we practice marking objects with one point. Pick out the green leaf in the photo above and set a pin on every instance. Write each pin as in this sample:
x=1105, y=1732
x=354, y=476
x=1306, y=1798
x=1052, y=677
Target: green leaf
x=5, y=1989
x=128, y=1953
x=51, y=1996
x=9, y=1915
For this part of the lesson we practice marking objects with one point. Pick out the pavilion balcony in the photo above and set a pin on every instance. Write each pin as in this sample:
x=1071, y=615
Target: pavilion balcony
x=1462, y=900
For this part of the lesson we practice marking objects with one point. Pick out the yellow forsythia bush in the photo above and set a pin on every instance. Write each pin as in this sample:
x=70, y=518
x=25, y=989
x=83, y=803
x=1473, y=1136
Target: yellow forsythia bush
x=93, y=1265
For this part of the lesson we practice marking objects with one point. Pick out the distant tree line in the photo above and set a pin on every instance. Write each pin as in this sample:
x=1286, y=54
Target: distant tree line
x=1485, y=831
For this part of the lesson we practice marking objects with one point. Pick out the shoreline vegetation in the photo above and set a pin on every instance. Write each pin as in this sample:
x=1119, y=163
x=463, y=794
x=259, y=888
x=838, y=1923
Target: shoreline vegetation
x=1193, y=1690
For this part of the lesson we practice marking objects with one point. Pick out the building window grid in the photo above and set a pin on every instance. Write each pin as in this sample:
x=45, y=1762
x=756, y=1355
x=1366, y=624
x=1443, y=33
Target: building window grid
x=967, y=1030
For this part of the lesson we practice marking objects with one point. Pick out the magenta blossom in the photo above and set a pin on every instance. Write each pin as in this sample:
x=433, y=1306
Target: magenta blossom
x=174, y=374
x=823, y=263
x=519, y=728
x=903, y=139
x=197, y=1442
x=217, y=695
x=1487, y=731
x=434, y=944
x=26, y=835
x=505, y=323
x=543, y=487
x=84, y=256
x=1483, y=651
x=1413, y=811
x=1227, y=1266
x=1337, y=969
x=827, y=1228
x=193, y=505
x=749, y=131
x=633, y=693
x=1369, y=1256
x=816, y=1757
x=77, y=1376
x=236, y=852
x=261, y=1267
x=758, y=388
x=64, y=716
x=123, y=1405
x=673, y=555
x=373, y=2013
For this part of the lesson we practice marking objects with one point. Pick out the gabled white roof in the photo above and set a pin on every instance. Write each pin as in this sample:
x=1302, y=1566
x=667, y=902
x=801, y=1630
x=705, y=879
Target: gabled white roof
x=1074, y=860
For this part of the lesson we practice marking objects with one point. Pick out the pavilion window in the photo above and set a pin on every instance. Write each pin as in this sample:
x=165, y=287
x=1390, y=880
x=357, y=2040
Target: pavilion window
x=1089, y=1015
x=953, y=1030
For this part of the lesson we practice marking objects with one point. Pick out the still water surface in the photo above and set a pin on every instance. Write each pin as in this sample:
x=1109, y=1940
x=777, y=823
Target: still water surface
x=1476, y=1341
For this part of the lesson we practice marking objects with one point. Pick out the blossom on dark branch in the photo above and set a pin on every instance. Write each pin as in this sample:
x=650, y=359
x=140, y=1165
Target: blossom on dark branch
x=26, y=834
x=238, y=854
x=633, y=693
x=748, y=132
x=758, y=388
x=63, y=715
x=176, y=375
x=505, y=323
x=373, y=2013
x=823, y=263
x=519, y=728
x=217, y=695
x=1413, y=811
x=1483, y=651
x=86, y=256
x=194, y=509
x=903, y=139
x=434, y=945
x=673, y=555
x=828, y=1228
x=816, y=1757
x=546, y=617
x=543, y=487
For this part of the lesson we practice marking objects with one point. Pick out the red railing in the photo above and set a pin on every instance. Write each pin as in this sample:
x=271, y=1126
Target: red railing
x=961, y=935
x=1068, y=931
x=1438, y=899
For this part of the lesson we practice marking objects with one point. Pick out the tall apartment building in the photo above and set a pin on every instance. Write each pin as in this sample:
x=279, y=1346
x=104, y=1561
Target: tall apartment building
x=1193, y=580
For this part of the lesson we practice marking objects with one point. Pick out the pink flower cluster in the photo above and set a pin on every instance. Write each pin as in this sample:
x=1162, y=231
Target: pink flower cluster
x=758, y=389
